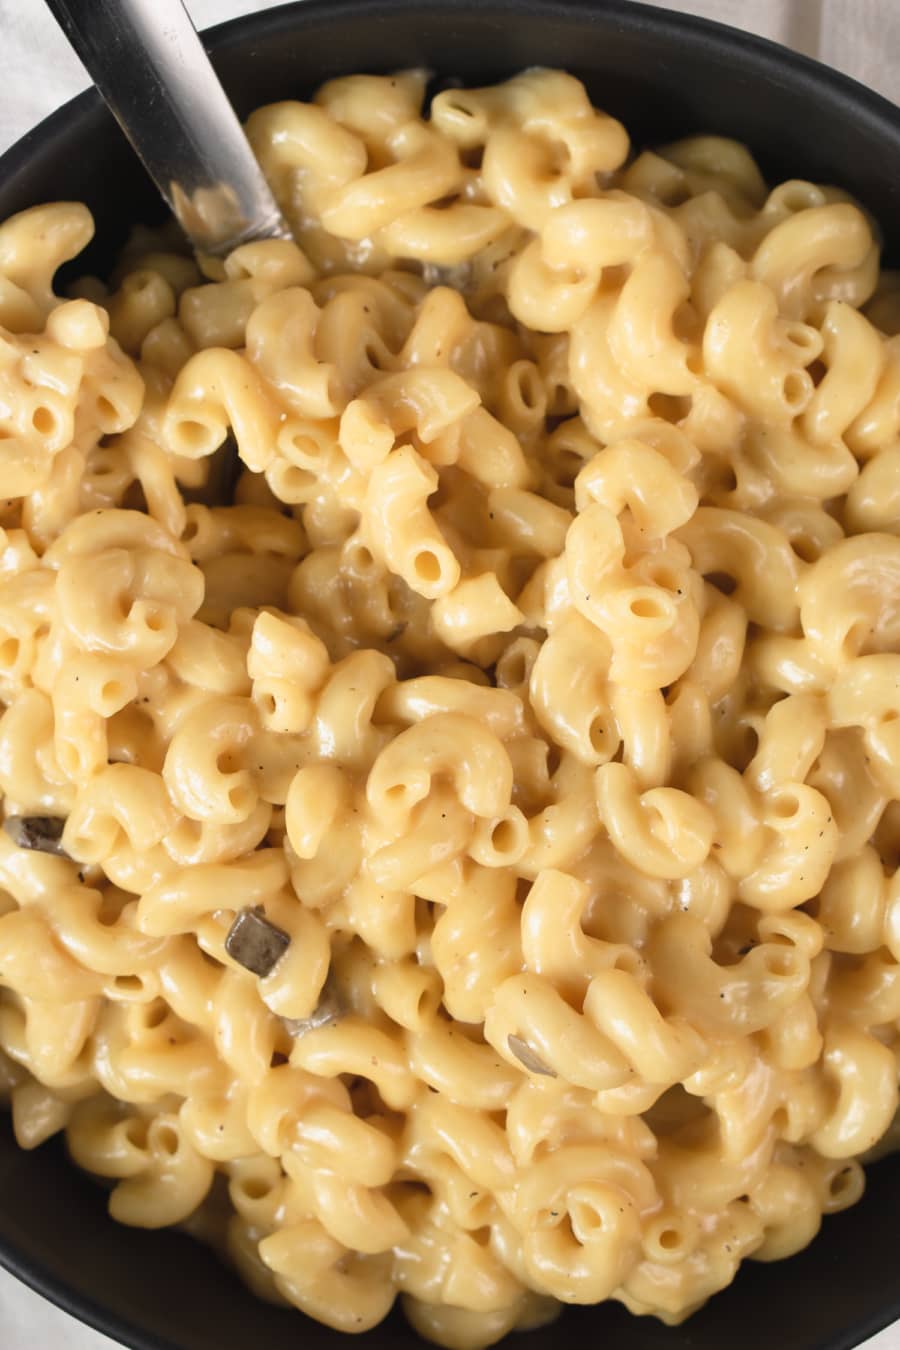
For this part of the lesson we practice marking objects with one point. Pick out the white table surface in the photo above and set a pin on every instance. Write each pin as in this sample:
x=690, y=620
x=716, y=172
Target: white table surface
x=39, y=70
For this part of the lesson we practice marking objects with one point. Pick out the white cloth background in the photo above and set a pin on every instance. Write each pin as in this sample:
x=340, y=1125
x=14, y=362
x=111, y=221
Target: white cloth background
x=40, y=71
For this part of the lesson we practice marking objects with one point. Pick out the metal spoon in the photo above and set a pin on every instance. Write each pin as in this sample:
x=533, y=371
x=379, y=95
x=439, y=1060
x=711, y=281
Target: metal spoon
x=150, y=66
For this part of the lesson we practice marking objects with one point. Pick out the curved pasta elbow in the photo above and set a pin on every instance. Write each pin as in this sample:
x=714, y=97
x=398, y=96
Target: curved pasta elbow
x=123, y=799
x=631, y=474
x=202, y=769
x=326, y=1280
x=664, y=831
x=446, y=743
x=172, y=1186
x=215, y=390
x=280, y=342
x=660, y=1050
x=529, y=1009
x=865, y=1074
x=403, y=530
x=802, y=842
x=476, y=608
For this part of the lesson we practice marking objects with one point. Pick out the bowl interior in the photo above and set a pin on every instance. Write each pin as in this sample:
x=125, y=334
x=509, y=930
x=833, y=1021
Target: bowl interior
x=664, y=75
x=164, y=1291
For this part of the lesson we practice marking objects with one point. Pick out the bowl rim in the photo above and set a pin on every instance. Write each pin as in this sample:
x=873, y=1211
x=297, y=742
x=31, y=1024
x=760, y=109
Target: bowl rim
x=721, y=40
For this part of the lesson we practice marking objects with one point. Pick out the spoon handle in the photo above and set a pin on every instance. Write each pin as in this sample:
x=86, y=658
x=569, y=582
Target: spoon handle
x=150, y=66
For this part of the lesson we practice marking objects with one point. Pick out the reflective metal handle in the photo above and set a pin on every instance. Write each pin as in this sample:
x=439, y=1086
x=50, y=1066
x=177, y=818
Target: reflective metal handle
x=150, y=66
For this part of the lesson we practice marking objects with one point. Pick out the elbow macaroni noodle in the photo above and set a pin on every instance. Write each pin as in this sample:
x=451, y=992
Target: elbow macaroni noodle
x=541, y=683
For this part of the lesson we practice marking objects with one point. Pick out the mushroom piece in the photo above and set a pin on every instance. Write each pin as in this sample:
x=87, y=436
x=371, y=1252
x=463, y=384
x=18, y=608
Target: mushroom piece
x=526, y=1056
x=40, y=833
x=330, y=1008
x=255, y=943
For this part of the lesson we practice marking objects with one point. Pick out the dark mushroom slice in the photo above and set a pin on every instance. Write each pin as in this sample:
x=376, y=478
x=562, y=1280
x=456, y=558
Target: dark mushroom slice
x=40, y=833
x=329, y=1009
x=255, y=943
x=526, y=1056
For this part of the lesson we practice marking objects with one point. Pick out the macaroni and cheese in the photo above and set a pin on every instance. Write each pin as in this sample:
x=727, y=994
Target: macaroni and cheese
x=451, y=737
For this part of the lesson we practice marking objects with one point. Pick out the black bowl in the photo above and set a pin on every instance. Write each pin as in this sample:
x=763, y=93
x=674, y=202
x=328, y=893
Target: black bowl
x=665, y=75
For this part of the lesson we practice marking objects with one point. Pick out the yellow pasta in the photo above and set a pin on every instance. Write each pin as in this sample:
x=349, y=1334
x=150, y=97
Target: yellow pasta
x=450, y=712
